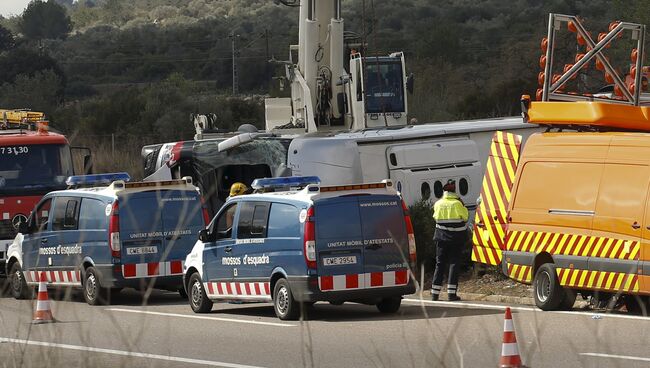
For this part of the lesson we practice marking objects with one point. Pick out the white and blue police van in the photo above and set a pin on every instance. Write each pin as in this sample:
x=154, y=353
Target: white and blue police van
x=295, y=241
x=107, y=237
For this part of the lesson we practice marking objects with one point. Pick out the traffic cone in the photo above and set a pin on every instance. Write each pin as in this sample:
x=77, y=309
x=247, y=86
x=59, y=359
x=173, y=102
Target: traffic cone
x=43, y=312
x=509, y=351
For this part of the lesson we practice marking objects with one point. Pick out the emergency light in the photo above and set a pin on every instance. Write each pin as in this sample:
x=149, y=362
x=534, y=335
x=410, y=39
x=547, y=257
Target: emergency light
x=96, y=179
x=286, y=182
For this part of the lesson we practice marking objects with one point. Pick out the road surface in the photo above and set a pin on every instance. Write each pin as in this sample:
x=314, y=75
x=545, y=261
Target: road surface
x=166, y=333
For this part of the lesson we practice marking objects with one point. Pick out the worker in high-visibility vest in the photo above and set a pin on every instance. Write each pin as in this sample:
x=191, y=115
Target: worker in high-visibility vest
x=451, y=216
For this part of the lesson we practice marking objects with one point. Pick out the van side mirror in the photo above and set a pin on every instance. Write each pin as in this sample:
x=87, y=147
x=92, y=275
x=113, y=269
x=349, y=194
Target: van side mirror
x=87, y=158
x=410, y=81
x=23, y=227
x=204, y=235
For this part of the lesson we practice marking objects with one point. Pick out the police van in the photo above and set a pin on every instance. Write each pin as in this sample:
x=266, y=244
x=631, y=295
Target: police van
x=294, y=241
x=106, y=238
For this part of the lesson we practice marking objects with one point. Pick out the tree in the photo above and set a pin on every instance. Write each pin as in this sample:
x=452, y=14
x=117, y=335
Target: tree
x=45, y=20
x=42, y=91
x=7, y=41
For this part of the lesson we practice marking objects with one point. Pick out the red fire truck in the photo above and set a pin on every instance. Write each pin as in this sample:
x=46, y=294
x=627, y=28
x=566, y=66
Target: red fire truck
x=33, y=162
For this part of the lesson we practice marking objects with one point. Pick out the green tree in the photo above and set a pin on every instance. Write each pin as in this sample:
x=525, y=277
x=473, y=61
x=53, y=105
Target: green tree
x=7, y=40
x=41, y=92
x=45, y=20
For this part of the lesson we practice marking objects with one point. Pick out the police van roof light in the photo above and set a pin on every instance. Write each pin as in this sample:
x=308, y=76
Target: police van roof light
x=284, y=182
x=97, y=179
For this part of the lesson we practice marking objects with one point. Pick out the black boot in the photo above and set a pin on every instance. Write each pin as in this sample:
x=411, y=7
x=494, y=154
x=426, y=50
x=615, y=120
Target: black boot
x=453, y=298
x=434, y=297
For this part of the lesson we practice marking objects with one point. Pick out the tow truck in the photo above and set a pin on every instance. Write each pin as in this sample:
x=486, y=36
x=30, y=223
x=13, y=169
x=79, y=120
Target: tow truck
x=33, y=162
x=346, y=126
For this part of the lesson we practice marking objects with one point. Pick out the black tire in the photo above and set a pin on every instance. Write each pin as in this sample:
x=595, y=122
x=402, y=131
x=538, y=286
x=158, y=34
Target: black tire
x=569, y=299
x=389, y=305
x=92, y=290
x=285, y=306
x=199, y=300
x=182, y=293
x=17, y=283
x=547, y=291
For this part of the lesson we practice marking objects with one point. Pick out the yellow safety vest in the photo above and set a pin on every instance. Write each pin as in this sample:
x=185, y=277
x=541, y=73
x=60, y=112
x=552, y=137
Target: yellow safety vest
x=450, y=213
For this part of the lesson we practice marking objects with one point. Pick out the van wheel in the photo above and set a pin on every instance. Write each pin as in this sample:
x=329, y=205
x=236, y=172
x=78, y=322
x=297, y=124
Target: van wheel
x=91, y=289
x=548, y=293
x=19, y=288
x=285, y=306
x=389, y=305
x=199, y=300
x=569, y=299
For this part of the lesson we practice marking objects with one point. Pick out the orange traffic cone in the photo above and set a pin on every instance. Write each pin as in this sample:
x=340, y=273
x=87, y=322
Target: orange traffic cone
x=509, y=351
x=43, y=312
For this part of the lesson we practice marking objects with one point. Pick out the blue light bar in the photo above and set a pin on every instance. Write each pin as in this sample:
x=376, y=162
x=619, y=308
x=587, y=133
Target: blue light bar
x=285, y=182
x=97, y=179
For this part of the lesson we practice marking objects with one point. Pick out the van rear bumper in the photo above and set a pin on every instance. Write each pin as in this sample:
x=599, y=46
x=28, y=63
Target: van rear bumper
x=108, y=278
x=306, y=289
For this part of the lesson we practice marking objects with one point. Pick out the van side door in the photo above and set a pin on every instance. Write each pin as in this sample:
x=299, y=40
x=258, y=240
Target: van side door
x=66, y=242
x=93, y=232
x=39, y=236
x=218, y=261
x=614, y=251
x=251, y=244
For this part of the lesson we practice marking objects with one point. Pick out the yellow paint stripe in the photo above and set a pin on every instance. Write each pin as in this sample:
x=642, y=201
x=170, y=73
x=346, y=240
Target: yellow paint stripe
x=512, y=146
x=502, y=179
x=565, y=277
x=506, y=161
x=617, y=247
x=574, y=278
x=607, y=245
x=583, y=279
x=610, y=280
x=628, y=282
x=634, y=250
x=594, y=251
x=593, y=275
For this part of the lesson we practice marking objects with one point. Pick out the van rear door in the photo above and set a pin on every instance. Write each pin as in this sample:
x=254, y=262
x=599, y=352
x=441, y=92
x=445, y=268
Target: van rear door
x=339, y=243
x=182, y=219
x=386, y=249
x=361, y=242
x=158, y=229
x=141, y=233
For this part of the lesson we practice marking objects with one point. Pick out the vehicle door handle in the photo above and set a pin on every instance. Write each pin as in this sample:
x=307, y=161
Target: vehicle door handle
x=227, y=249
x=44, y=240
x=636, y=225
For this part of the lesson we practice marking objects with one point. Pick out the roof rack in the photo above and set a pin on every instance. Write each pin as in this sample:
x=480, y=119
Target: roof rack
x=20, y=118
x=553, y=88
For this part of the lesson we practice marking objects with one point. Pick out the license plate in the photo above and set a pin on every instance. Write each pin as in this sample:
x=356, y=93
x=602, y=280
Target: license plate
x=336, y=261
x=141, y=250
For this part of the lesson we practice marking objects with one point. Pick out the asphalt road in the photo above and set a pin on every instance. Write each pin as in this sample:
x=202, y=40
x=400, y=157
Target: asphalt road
x=166, y=333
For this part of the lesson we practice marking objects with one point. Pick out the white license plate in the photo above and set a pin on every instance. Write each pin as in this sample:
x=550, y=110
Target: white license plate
x=336, y=261
x=141, y=250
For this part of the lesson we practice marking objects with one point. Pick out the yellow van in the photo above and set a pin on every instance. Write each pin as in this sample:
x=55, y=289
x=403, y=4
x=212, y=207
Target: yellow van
x=572, y=214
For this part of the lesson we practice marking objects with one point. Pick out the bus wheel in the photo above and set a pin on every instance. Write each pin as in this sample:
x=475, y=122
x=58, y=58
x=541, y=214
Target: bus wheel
x=19, y=288
x=548, y=293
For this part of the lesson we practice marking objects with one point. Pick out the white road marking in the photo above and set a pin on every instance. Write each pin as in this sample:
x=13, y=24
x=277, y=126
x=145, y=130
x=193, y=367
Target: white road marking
x=466, y=305
x=612, y=356
x=126, y=353
x=275, y=324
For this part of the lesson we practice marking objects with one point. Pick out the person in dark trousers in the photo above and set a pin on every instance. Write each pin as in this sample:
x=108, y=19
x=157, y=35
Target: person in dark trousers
x=450, y=236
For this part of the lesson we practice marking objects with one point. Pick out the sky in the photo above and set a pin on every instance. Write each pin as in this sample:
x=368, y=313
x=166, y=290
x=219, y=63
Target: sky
x=12, y=7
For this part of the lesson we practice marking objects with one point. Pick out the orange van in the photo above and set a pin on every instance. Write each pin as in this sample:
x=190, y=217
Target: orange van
x=573, y=213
